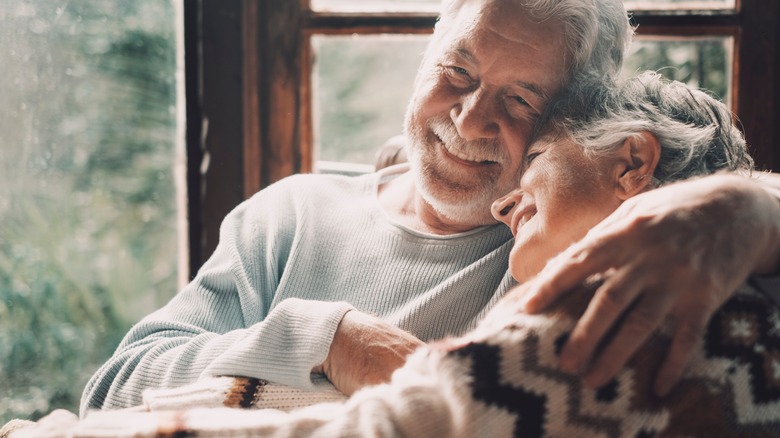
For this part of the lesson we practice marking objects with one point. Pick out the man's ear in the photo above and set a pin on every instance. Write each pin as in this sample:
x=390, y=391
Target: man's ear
x=638, y=158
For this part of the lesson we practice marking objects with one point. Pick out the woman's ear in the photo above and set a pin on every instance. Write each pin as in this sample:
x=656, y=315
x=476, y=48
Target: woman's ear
x=638, y=158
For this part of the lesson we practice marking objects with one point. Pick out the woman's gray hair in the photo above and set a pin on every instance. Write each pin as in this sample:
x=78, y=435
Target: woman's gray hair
x=697, y=133
x=597, y=33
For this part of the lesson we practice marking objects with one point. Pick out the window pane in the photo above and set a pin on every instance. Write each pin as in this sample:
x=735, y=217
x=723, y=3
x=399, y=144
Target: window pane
x=699, y=62
x=87, y=201
x=364, y=84
x=376, y=5
x=434, y=5
x=687, y=5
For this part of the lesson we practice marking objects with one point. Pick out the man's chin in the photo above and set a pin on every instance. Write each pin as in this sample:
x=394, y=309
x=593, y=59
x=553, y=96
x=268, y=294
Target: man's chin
x=464, y=208
x=460, y=198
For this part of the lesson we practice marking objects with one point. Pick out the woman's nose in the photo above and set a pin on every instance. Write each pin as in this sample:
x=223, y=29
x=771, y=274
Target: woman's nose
x=502, y=207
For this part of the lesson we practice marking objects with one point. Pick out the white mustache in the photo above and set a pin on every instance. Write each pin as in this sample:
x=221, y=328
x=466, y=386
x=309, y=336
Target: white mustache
x=476, y=150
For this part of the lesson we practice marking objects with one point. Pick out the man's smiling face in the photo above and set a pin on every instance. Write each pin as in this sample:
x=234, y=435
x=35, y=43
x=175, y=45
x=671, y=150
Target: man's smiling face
x=487, y=76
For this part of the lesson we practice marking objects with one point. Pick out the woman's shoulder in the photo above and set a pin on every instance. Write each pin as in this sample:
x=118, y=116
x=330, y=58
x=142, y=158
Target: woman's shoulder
x=730, y=387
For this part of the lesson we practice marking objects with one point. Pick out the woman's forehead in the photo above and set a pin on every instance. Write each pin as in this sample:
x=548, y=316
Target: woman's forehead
x=549, y=136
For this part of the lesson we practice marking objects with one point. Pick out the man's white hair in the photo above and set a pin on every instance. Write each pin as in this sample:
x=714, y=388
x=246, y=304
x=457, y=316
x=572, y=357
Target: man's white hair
x=596, y=33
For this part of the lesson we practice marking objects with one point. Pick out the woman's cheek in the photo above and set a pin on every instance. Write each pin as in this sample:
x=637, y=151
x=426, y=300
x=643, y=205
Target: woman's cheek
x=529, y=253
x=515, y=263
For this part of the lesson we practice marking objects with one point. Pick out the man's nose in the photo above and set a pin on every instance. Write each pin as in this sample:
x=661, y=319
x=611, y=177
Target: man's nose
x=502, y=207
x=475, y=116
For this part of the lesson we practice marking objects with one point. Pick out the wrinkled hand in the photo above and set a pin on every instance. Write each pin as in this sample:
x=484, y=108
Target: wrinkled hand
x=365, y=351
x=680, y=250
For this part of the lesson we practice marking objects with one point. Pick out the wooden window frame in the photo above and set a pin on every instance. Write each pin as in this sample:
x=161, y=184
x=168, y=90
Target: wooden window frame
x=248, y=70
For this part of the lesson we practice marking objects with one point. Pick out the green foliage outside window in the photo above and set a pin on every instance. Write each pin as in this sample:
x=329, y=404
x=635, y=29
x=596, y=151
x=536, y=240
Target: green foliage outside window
x=700, y=62
x=87, y=201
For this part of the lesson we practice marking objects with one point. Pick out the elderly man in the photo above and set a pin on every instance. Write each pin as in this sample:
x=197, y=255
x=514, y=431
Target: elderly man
x=347, y=276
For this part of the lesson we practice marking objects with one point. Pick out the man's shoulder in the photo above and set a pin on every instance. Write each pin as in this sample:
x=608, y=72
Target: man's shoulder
x=317, y=184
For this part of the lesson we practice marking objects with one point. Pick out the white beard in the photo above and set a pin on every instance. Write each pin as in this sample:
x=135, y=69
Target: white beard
x=474, y=210
x=464, y=201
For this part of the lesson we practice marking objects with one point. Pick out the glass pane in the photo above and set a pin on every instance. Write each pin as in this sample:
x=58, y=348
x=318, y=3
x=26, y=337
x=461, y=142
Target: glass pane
x=364, y=84
x=433, y=6
x=699, y=62
x=88, y=242
x=376, y=5
x=686, y=5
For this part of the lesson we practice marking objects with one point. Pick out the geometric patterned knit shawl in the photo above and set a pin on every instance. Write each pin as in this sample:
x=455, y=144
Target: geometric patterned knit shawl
x=731, y=388
x=500, y=380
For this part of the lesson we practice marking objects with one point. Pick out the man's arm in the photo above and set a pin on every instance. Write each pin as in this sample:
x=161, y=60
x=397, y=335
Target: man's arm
x=230, y=320
x=366, y=351
x=220, y=324
x=680, y=250
x=429, y=397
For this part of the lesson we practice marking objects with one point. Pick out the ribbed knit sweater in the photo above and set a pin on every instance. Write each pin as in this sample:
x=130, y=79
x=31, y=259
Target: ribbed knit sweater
x=290, y=262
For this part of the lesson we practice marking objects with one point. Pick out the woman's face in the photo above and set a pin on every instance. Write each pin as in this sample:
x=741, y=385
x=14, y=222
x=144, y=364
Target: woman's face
x=563, y=193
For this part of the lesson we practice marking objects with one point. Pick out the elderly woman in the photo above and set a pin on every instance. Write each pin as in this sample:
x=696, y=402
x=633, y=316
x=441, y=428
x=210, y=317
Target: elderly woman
x=602, y=148
x=605, y=146
x=503, y=379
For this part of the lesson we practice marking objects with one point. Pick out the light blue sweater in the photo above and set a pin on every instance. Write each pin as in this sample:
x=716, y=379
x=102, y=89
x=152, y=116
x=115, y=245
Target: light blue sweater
x=291, y=261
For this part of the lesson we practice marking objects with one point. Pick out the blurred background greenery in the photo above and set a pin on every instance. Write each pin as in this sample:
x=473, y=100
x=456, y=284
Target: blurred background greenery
x=88, y=241
x=87, y=201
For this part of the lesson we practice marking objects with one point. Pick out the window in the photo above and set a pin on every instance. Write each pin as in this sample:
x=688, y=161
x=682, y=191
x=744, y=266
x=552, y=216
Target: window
x=694, y=6
x=88, y=203
x=704, y=61
x=277, y=120
x=355, y=110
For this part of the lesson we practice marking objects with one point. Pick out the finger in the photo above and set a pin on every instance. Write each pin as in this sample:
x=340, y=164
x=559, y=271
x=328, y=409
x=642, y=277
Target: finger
x=610, y=301
x=638, y=326
x=687, y=337
x=567, y=270
x=516, y=294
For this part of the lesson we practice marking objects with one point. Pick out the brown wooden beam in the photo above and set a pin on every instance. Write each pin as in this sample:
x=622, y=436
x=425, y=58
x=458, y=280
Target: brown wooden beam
x=330, y=23
x=281, y=26
x=193, y=91
x=251, y=25
x=215, y=90
x=757, y=80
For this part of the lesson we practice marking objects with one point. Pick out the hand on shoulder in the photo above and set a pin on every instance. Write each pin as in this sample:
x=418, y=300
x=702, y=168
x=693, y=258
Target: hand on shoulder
x=679, y=250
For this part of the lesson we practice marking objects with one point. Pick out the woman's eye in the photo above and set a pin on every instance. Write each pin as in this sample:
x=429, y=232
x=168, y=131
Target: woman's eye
x=532, y=156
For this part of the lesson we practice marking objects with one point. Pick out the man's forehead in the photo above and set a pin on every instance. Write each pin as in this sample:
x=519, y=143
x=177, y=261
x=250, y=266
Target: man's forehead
x=484, y=46
x=474, y=58
x=469, y=13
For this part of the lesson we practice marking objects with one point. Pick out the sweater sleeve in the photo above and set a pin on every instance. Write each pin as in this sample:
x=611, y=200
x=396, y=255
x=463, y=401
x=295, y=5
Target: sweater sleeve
x=222, y=323
x=429, y=397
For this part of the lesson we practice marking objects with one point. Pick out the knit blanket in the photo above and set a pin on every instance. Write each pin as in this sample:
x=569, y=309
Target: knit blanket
x=500, y=380
x=731, y=388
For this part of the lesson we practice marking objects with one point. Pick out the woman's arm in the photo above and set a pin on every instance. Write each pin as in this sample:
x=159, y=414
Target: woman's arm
x=679, y=250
